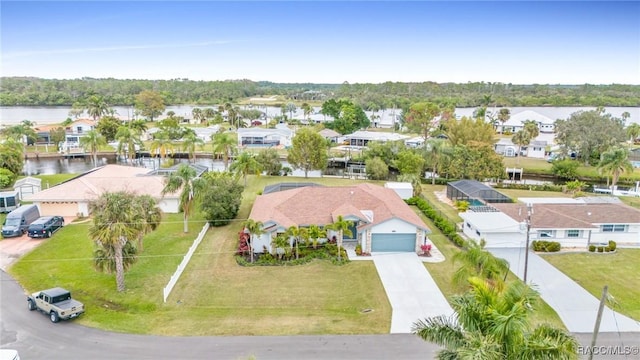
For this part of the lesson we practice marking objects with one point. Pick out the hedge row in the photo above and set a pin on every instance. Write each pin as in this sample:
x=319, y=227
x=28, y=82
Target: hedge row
x=545, y=246
x=441, y=223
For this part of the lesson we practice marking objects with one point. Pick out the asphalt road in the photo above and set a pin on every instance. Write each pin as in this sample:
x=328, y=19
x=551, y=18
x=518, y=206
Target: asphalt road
x=35, y=337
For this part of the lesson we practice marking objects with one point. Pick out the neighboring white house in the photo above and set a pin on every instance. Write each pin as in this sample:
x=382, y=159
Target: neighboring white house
x=536, y=149
x=361, y=138
x=415, y=142
x=72, y=197
x=258, y=137
x=573, y=224
x=506, y=147
x=516, y=121
x=382, y=222
x=403, y=189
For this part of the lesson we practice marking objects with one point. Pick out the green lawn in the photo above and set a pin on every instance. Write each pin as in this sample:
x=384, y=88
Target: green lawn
x=428, y=191
x=54, y=179
x=541, y=166
x=442, y=274
x=592, y=271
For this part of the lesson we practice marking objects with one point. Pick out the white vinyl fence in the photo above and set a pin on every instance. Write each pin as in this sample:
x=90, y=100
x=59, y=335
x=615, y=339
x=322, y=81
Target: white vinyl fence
x=183, y=264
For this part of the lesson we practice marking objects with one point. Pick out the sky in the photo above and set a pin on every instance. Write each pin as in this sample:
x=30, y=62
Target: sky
x=514, y=42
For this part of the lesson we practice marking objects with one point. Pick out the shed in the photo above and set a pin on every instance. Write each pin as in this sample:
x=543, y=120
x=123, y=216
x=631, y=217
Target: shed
x=475, y=193
x=403, y=189
x=27, y=186
x=8, y=201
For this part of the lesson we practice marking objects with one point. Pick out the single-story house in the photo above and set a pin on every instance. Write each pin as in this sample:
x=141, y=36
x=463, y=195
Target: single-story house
x=331, y=135
x=382, y=221
x=506, y=147
x=536, y=149
x=361, y=138
x=516, y=122
x=72, y=197
x=415, y=142
x=258, y=137
x=573, y=224
x=27, y=186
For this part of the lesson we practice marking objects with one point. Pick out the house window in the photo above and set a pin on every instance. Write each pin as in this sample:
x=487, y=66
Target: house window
x=544, y=234
x=613, y=228
x=574, y=233
x=469, y=225
x=478, y=233
x=537, y=149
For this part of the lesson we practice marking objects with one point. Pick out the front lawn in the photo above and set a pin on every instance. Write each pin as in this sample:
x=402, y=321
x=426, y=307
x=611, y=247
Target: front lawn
x=592, y=271
x=214, y=296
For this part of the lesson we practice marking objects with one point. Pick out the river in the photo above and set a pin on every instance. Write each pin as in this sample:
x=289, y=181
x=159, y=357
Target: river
x=57, y=114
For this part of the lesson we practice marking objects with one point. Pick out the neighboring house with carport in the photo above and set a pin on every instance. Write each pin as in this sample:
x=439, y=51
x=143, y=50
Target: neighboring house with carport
x=361, y=138
x=571, y=222
x=72, y=197
x=27, y=186
x=258, y=137
x=475, y=193
x=382, y=221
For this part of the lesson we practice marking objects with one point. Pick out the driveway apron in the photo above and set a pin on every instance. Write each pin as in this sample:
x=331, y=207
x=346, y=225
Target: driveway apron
x=576, y=307
x=411, y=290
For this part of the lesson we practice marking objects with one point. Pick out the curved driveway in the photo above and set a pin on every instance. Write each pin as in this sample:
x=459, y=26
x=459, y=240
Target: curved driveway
x=35, y=337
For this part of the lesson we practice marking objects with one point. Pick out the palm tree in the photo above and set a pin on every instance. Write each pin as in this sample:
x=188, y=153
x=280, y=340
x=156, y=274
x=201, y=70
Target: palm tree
x=92, y=141
x=493, y=322
x=503, y=116
x=184, y=178
x=138, y=126
x=103, y=258
x=531, y=128
x=244, y=165
x=255, y=228
x=161, y=144
x=291, y=107
x=343, y=227
x=476, y=261
x=208, y=113
x=197, y=114
x=306, y=110
x=189, y=143
x=293, y=232
x=127, y=141
x=520, y=138
x=315, y=233
x=281, y=246
x=226, y=144
x=97, y=107
x=414, y=179
x=633, y=131
x=436, y=153
x=117, y=219
x=615, y=162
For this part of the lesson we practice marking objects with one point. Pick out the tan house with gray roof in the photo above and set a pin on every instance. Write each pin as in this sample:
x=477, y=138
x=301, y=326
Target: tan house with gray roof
x=72, y=197
x=382, y=221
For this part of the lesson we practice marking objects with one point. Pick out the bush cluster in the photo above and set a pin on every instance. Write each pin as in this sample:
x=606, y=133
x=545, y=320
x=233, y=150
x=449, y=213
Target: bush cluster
x=545, y=246
x=441, y=223
x=611, y=246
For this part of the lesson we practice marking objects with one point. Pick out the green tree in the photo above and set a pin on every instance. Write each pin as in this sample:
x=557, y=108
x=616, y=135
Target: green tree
x=531, y=128
x=293, y=233
x=152, y=216
x=615, y=162
x=127, y=142
x=565, y=169
x=108, y=127
x=97, y=107
x=104, y=257
x=306, y=110
x=190, y=141
x=409, y=162
x=422, y=118
x=493, y=322
x=6, y=178
x=633, y=132
x=226, y=144
x=476, y=161
x=347, y=116
x=589, y=132
x=12, y=156
x=503, y=116
x=466, y=130
x=521, y=138
x=138, y=126
x=161, y=145
x=244, y=165
x=255, y=229
x=197, y=114
x=376, y=169
x=307, y=151
x=221, y=198
x=475, y=260
x=315, y=234
x=343, y=227
x=92, y=141
x=57, y=136
x=118, y=218
x=184, y=179
x=575, y=187
x=291, y=107
x=436, y=153
x=150, y=104
x=269, y=161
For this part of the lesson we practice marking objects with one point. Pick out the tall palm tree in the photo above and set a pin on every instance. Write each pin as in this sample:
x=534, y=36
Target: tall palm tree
x=476, y=261
x=138, y=126
x=343, y=227
x=633, y=131
x=293, y=232
x=208, y=113
x=97, y=107
x=291, y=107
x=189, y=143
x=306, y=110
x=162, y=144
x=127, y=142
x=531, y=128
x=521, y=138
x=493, y=322
x=615, y=162
x=184, y=178
x=92, y=141
x=244, y=165
x=224, y=143
x=117, y=219
x=255, y=228
x=503, y=116
x=197, y=114
x=103, y=258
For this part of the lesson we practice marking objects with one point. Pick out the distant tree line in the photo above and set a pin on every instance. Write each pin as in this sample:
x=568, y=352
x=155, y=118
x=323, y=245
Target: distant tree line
x=26, y=91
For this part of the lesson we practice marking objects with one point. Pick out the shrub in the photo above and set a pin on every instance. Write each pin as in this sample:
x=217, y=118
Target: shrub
x=607, y=249
x=358, y=249
x=545, y=246
x=600, y=249
x=592, y=248
x=612, y=245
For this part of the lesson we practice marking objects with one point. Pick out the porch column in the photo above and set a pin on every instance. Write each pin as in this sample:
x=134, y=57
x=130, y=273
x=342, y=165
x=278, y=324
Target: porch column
x=419, y=240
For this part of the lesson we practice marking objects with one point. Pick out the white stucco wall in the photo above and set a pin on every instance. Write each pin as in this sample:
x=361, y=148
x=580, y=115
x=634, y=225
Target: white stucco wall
x=261, y=241
x=630, y=237
x=393, y=226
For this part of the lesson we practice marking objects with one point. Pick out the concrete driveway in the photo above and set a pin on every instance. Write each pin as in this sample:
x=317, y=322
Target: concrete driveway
x=411, y=290
x=576, y=306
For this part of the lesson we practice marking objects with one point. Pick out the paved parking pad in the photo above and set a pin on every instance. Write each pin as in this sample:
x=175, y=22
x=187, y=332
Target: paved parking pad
x=412, y=292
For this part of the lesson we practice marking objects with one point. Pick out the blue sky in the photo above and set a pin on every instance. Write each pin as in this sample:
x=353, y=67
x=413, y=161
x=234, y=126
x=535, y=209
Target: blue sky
x=324, y=41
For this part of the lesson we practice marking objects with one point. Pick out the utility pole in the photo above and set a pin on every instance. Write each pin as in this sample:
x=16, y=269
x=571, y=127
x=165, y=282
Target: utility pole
x=598, y=318
x=526, y=250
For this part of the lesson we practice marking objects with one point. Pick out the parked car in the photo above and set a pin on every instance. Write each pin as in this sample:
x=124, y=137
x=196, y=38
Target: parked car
x=45, y=226
x=18, y=221
x=55, y=302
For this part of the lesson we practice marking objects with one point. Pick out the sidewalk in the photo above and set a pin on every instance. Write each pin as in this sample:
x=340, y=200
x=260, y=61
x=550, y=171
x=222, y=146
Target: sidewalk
x=576, y=307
